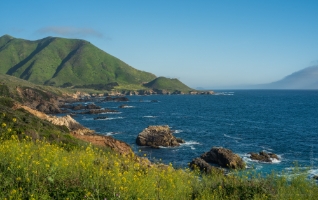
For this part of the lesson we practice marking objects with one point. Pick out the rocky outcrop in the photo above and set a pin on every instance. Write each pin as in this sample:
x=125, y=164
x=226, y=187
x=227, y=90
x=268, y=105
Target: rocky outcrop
x=263, y=156
x=40, y=100
x=204, y=166
x=116, y=99
x=224, y=157
x=156, y=136
x=80, y=107
x=72, y=125
x=123, y=106
x=107, y=141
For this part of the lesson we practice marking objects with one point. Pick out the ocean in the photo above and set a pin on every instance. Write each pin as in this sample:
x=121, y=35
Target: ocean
x=284, y=122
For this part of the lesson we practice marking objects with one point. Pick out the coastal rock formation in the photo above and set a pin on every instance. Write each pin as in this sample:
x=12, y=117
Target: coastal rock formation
x=224, y=157
x=156, y=136
x=263, y=156
x=80, y=107
x=116, y=99
x=72, y=125
x=107, y=141
x=40, y=100
x=204, y=166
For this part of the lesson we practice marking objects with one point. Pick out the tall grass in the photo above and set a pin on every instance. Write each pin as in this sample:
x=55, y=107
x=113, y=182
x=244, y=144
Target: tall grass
x=41, y=170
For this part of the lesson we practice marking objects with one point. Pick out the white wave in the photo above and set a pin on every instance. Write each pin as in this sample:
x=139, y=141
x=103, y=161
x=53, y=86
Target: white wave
x=190, y=143
x=111, y=118
x=129, y=106
x=111, y=133
x=177, y=131
x=192, y=147
x=274, y=160
x=236, y=138
x=110, y=113
x=149, y=116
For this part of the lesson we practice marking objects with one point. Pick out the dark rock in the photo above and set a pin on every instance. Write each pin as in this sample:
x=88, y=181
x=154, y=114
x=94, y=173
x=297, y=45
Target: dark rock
x=108, y=99
x=103, y=117
x=97, y=111
x=123, y=106
x=117, y=99
x=315, y=177
x=263, y=156
x=120, y=99
x=157, y=136
x=180, y=140
x=48, y=108
x=224, y=157
x=154, y=101
x=204, y=166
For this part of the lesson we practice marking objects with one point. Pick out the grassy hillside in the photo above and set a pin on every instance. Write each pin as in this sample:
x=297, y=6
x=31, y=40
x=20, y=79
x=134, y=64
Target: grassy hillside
x=162, y=83
x=56, y=61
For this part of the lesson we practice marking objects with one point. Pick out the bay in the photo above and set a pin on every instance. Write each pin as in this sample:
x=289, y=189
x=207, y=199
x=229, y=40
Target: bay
x=284, y=122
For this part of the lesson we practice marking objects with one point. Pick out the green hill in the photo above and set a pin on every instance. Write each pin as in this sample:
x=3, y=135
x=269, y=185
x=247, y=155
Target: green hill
x=170, y=84
x=57, y=61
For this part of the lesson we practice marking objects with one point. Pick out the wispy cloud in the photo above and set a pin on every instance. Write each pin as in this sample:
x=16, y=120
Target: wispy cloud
x=70, y=31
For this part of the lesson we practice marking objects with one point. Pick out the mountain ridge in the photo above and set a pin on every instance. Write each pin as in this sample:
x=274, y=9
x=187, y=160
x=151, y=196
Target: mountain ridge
x=56, y=61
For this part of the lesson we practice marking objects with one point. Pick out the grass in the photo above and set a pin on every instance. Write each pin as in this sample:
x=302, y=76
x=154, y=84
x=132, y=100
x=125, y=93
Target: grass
x=57, y=166
x=56, y=61
x=162, y=83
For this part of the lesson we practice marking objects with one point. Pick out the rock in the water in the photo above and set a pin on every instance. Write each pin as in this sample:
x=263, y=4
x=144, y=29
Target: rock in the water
x=263, y=156
x=123, y=106
x=156, y=136
x=315, y=177
x=224, y=157
x=180, y=140
x=100, y=117
x=117, y=99
x=204, y=166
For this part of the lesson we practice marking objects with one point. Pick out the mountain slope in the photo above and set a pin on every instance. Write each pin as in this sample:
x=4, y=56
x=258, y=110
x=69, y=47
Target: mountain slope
x=56, y=61
x=162, y=83
x=304, y=79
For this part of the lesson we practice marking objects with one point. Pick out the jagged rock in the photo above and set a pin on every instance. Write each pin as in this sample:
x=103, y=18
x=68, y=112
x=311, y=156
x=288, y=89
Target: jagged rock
x=263, y=156
x=204, y=166
x=224, y=158
x=156, y=136
x=48, y=108
x=315, y=177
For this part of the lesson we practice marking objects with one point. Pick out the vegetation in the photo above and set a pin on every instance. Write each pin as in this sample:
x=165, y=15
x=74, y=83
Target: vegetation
x=39, y=160
x=56, y=61
x=169, y=84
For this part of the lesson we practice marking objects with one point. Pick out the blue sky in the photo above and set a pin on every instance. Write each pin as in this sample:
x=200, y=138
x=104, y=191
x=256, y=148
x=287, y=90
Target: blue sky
x=210, y=44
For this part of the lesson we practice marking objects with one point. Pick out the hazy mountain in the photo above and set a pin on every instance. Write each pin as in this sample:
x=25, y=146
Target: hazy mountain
x=304, y=79
x=56, y=61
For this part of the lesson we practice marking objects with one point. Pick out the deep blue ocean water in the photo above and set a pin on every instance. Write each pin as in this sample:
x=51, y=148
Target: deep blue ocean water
x=284, y=122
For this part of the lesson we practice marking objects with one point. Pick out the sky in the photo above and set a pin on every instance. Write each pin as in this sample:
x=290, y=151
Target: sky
x=204, y=43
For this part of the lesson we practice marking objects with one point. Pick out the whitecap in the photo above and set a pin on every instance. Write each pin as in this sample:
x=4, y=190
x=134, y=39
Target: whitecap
x=190, y=143
x=111, y=118
x=149, y=116
x=177, y=131
x=110, y=113
x=236, y=138
x=192, y=147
